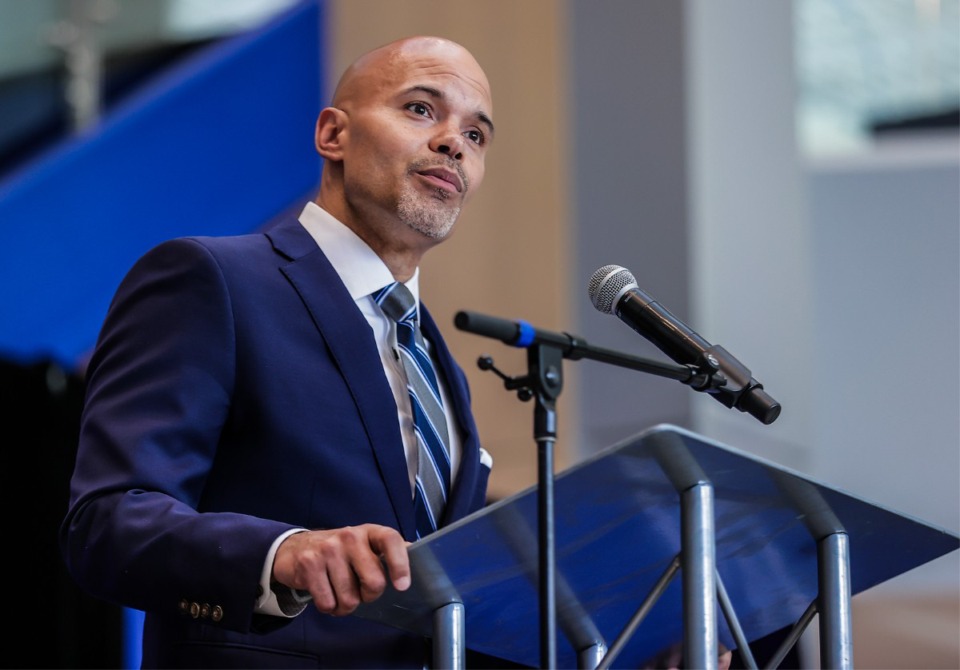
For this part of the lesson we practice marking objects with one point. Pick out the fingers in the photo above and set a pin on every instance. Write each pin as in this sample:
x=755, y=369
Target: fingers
x=342, y=568
x=393, y=548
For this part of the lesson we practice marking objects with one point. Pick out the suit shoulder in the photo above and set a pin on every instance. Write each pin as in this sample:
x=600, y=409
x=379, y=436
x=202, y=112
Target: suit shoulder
x=221, y=249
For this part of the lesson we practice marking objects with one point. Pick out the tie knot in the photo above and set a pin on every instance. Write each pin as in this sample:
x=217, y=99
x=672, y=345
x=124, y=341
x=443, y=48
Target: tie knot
x=397, y=302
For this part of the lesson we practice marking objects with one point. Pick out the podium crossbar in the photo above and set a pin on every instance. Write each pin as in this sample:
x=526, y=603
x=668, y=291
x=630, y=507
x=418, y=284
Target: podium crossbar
x=640, y=614
x=743, y=646
x=795, y=632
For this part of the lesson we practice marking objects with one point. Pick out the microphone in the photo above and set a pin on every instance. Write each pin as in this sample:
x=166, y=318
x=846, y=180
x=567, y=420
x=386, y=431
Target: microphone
x=614, y=290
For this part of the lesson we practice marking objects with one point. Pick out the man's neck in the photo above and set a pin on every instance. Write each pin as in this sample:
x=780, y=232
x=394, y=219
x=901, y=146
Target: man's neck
x=400, y=247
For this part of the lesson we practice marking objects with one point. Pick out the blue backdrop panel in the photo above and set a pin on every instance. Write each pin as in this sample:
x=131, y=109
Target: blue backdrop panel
x=218, y=145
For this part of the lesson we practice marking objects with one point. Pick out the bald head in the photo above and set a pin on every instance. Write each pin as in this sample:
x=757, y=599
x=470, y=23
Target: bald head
x=375, y=69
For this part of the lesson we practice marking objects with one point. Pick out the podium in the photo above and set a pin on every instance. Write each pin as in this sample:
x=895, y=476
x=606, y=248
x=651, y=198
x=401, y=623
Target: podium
x=666, y=538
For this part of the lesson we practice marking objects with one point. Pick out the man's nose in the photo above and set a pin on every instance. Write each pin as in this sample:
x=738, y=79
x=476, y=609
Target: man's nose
x=449, y=143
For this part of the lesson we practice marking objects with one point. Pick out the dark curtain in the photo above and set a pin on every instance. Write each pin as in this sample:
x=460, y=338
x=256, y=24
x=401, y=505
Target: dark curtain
x=52, y=624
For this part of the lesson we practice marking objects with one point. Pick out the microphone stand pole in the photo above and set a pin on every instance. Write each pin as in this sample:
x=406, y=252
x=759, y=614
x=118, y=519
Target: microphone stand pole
x=543, y=383
x=545, y=365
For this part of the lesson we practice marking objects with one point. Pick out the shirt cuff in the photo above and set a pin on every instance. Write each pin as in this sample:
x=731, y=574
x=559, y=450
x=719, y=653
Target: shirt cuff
x=276, y=599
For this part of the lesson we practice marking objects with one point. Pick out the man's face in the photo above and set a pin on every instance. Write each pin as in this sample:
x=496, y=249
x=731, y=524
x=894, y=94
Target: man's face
x=417, y=133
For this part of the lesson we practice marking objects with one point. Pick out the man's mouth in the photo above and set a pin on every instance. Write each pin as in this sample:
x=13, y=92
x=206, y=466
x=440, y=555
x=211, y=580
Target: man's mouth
x=443, y=178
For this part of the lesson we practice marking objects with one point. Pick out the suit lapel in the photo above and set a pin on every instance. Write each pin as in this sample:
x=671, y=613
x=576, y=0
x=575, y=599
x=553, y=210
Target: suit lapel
x=352, y=347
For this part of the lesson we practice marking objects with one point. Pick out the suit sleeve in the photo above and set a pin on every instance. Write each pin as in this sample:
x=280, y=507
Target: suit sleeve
x=158, y=393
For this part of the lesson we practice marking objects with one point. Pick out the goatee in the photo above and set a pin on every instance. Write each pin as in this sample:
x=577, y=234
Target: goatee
x=429, y=214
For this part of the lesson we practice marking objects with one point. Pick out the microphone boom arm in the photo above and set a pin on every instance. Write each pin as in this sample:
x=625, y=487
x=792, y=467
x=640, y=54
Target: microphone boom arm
x=521, y=334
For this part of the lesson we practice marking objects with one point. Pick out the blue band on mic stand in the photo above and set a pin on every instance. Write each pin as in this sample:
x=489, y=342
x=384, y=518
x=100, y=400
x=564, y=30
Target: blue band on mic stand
x=526, y=335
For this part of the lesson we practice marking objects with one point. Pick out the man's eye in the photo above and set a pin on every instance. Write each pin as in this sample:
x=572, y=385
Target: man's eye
x=418, y=108
x=475, y=136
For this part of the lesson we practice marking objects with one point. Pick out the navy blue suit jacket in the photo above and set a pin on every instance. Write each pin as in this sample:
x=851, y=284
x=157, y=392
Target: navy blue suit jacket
x=236, y=392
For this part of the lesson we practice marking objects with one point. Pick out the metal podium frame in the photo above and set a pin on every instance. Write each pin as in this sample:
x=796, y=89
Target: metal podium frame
x=773, y=521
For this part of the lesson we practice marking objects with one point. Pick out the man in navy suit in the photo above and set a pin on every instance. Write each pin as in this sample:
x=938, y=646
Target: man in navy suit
x=247, y=456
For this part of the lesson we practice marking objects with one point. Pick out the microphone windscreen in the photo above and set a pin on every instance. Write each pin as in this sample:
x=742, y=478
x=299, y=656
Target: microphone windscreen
x=607, y=285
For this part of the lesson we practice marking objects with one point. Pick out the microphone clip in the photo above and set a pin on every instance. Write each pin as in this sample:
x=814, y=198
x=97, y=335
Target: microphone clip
x=740, y=390
x=705, y=374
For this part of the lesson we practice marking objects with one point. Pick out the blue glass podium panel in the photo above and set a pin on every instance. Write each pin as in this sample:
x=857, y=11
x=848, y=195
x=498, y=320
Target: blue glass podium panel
x=618, y=530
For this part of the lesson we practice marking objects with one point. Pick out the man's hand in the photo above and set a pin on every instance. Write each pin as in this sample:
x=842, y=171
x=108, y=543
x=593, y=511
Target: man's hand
x=342, y=568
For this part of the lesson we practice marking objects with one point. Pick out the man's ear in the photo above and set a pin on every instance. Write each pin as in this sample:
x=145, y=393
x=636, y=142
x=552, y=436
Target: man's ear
x=330, y=133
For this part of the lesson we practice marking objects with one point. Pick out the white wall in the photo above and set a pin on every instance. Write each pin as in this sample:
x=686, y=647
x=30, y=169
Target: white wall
x=886, y=232
x=749, y=240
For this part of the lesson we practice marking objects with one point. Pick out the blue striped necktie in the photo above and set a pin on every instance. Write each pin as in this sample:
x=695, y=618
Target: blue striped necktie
x=429, y=420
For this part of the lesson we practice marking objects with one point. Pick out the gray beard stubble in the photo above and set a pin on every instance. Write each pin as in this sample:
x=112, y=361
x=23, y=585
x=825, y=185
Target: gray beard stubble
x=427, y=214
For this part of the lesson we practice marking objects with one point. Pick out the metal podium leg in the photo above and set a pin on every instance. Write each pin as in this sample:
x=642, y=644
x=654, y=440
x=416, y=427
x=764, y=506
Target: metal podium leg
x=590, y=658
x=448, y=637
x=836, y=635
x=699, y=578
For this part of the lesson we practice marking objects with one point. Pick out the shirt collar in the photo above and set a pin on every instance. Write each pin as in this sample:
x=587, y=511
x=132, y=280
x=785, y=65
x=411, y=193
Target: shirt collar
x=359, y=267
